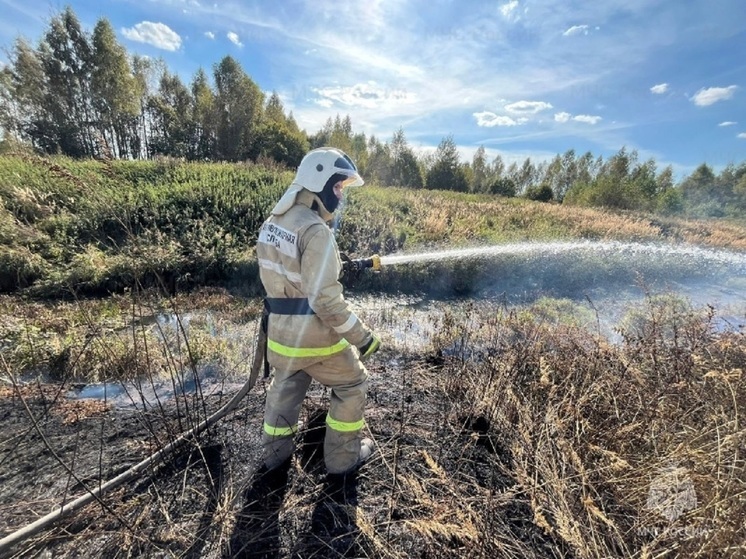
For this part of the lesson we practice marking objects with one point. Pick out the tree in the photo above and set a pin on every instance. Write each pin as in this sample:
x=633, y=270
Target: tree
x=540, y=193
x=359, y=150
x=526, y=177
x=239, y=105
x=604, y=191
x=586, y=169
x=8, y=107
x=739, y=193
x=279, y=137
x=405, y=169
x=409, y=171
x=113, y=91
x=447, y=172
x=66, y=57
x=379, y=164
x=664, y=180
x=553, y=175
x=670, y=202
x=203, y=116
x=502, y=186
x=336, y=133
x=172, y=125
x=274, y=111
x=147, y=73
x=497, y=168
x=25, y=90
x=278, y=142
x=620, y=164
x=569, y=174
x=480, y=172
x=699, y=193
x=642, y=187
x=725, y=186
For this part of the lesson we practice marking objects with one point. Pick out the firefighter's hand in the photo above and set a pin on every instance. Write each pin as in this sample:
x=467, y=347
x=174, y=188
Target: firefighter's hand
x=350, y=271
x=370, y=347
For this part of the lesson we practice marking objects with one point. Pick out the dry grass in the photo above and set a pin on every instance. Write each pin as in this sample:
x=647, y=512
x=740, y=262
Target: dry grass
x=509, y=438
x=385, y=220
x=594, y=432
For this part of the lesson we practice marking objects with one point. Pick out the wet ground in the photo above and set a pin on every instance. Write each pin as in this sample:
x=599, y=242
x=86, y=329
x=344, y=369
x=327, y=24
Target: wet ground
x=210, y=500
x=441, y=478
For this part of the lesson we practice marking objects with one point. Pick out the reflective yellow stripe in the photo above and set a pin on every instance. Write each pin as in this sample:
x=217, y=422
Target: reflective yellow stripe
x=344, y=426
x=280, y=431
x=307, y=351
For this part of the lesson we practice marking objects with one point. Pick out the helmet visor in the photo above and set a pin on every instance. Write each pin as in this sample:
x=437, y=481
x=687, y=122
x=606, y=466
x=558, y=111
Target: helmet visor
x=345, y=163
x=351, y=180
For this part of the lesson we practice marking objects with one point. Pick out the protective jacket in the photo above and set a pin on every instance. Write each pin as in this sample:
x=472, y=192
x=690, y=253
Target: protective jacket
x=299, y=266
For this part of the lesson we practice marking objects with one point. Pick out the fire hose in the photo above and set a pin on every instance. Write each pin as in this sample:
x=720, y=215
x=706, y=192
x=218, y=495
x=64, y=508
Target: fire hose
x=350, y=267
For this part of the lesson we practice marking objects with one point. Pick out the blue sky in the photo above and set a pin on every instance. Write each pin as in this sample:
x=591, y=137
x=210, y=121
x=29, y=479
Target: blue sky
x=524, y=78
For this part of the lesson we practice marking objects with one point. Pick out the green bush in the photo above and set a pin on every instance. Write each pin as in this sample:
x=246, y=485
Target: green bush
x=93, y=227
x=540, y=193
x=20, y=268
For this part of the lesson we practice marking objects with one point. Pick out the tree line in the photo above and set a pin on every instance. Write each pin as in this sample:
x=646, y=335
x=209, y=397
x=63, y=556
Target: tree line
x=82, y=95
x=622, y=181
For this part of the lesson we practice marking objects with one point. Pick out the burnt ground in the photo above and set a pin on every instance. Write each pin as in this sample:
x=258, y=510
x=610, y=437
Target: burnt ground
x=439, y=484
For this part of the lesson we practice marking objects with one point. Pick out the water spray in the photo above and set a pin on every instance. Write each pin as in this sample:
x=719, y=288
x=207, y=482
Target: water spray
x=605, y=248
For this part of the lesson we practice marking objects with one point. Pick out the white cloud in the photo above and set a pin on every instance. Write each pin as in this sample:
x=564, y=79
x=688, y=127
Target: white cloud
x=589, y=119
x=567, y=117
x=527, y=107
x=742, y=135
x=209, y=34
x=705, y=97
x=576, y=30
x=728, y=123
x=488, y=119
x=659, y=89
x=509, y=10
x=234, y=38
x=368, y=95
x=159, y=35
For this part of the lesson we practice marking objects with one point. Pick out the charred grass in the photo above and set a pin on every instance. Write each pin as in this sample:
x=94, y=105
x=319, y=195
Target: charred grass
x=510, y=436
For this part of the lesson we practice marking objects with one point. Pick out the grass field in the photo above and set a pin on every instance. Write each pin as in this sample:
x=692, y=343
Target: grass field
x=500, y=431
x=93, y=228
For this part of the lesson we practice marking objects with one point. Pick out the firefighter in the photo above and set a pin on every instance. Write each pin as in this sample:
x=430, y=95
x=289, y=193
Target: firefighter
x=311, y=331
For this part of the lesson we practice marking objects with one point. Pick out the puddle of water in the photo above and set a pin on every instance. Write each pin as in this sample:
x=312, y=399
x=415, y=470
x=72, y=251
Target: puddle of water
x=600, y=281
x=146, y=394
x=213, y=375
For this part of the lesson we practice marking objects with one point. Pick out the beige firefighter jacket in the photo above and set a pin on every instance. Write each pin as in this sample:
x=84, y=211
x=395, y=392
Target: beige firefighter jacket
x=298, y=258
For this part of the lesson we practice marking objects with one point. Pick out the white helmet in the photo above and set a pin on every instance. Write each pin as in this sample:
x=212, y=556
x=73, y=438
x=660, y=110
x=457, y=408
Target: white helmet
x=316, y=168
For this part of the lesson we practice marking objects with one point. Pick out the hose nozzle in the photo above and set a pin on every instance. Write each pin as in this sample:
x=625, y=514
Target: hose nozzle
x=373, y=262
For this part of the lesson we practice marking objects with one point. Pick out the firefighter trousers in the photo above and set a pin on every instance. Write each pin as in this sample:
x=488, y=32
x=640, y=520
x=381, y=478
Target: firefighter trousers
x=346, y=377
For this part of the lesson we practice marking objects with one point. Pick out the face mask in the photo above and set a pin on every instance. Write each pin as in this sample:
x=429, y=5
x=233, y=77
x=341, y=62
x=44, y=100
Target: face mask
x=327, y=195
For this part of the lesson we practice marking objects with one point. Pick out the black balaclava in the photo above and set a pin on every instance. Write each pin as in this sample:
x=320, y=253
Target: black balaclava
x=327, y=196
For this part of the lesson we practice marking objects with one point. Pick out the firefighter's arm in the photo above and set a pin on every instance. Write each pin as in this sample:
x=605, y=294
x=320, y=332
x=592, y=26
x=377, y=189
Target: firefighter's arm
x=320, y=270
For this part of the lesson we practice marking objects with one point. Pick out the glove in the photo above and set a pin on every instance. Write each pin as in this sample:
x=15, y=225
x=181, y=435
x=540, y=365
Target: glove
x=370, y=347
